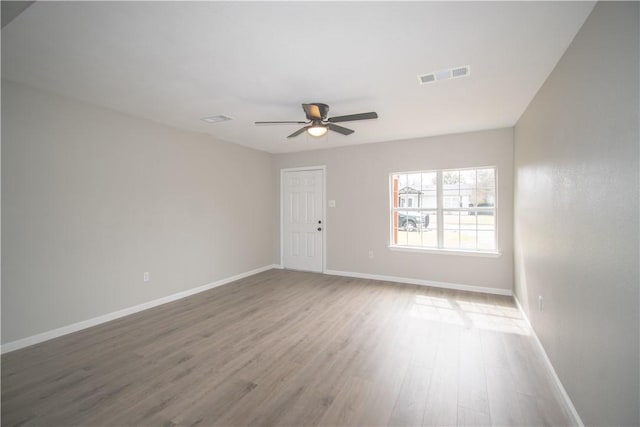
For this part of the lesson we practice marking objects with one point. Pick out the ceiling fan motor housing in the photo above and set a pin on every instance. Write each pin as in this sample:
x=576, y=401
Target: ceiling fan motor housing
x=316, y=111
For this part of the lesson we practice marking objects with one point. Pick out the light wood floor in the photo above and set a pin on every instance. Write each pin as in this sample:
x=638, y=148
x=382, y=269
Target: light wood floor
x=291, y=348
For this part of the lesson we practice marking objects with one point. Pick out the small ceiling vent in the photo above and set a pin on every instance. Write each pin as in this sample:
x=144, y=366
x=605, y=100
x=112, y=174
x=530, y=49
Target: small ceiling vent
x=450, y=73
x=460, y=71
x=443, y=75
x=216, y=119
x=427, y=78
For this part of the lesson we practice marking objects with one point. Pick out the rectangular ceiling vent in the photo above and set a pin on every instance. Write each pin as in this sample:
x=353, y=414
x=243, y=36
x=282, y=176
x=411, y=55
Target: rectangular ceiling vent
x=216, y=119
x=450, y=73
x=427, y=78
x=443, y=75
x=460, y=71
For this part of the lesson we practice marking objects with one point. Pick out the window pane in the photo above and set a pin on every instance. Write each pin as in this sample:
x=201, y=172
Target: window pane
x=414, y=238
x=451, y=178
x=451, y=239
x=414, y=181
x=430, y=230
x=468, y=220
x=409, y=190
x=451, y=201
x=486, y=197
x=402, y=227
x=486, y=240
x=430, y=220
x=428, y=198
x=486, y=221
x=468, y=178
x=451, y=229
x=407, y=221
x=402, y=180
x=451, y=189
x=451, y=220
x=468, y=239
x=429, y=181
x=402, y=238
x=487, y=178
x=394, y=227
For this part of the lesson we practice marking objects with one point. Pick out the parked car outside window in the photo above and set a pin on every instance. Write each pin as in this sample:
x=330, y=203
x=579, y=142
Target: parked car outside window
x=412, y=221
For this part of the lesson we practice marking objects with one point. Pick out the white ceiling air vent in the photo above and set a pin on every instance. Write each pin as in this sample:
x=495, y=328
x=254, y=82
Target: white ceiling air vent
x=427, y=78
x=460, y=71
x=443, y=75
x=450, y=73
x=216, y=119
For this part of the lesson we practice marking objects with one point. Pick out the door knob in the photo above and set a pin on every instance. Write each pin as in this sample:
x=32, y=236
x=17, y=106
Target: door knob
x=319, y=228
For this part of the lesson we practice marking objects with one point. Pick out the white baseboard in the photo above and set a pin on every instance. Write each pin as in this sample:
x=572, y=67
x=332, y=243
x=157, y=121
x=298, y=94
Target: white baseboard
x=55, y=333
x=420, y=282
x=565, y=396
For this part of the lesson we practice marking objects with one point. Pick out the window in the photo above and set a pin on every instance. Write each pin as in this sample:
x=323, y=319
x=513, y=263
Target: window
x=445, y=209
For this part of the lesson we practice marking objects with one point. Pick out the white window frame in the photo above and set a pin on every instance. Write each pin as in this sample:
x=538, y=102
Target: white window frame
x=440, y=216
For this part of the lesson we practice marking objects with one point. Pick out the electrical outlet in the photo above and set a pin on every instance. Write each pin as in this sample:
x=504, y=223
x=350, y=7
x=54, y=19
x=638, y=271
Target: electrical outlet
x=145, y=276
x=540, y=302
x=370, y=254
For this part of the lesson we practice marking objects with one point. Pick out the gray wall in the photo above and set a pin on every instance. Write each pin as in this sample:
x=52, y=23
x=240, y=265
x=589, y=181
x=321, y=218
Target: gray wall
x=576, y=216
x=92, y=198
x=358, y=180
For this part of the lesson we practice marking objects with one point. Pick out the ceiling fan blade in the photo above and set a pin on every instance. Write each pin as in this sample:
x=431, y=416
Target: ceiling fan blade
x=281, y=123
x=352, y=117
x=339, y=129
x=298, y=132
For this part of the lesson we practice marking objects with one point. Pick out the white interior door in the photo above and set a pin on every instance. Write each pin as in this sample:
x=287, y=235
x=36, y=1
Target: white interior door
x=303, y=222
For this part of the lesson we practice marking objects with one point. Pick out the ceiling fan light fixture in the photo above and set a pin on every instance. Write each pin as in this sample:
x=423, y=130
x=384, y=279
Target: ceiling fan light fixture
x=317, y=130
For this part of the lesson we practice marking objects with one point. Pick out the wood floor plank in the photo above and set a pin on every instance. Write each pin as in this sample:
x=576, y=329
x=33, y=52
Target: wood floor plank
x=501, y=389
x=442, y=397
x=412, y=399
x=387, y=364
x=348, y=403
x=471, y=417
x=273, y=381
x=291, y=348
x=472, y=383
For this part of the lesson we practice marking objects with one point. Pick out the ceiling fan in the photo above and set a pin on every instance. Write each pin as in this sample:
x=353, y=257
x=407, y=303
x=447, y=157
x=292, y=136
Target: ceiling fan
x=317, y=122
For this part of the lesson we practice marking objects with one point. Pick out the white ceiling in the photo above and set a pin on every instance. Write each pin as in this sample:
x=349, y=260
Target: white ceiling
x=176, y=62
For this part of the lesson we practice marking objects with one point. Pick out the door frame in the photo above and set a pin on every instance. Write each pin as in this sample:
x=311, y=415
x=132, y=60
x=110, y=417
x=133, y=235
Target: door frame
x=322, y=168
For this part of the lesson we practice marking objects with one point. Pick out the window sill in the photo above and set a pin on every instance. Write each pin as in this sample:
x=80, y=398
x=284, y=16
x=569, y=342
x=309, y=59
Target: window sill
x=486, y=254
